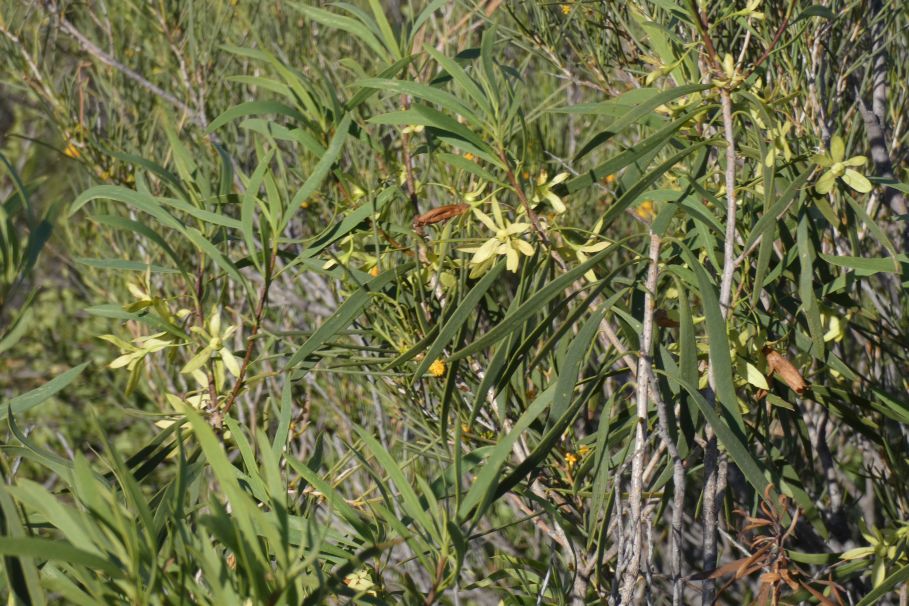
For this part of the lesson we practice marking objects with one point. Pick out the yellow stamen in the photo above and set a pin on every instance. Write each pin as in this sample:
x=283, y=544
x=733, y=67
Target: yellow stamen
x=437, y=368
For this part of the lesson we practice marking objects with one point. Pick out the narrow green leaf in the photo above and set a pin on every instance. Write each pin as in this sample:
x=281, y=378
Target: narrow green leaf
x=29, y=400
x=346, y=24
x=483, y=488
x=410, y=502
x=248, y=207
x=255, y=108
x=571, y=365
x=874, y=228
x=638, y=111
x=769, y=219
x=388, y=36
x=334, y=500
x=422, y=115
x=56, y=550
x=21, y=572
x=217, y=257
x=461, y=78
x=457, y=319
x=125, y=265
x=138, y=200
x=279, y=442
x=864, y=266
x=720, y=359
x=346, y=313
x=635, y=191
x=642, y=148
x=314, y=180
x=729, y=436
x=806, y=288
x=143, y=230
x=533, y=305
x=422, y=91
x=900, y=576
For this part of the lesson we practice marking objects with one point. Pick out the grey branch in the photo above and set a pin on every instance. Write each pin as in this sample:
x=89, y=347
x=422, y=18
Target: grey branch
x=634, y=533
x=92, y=49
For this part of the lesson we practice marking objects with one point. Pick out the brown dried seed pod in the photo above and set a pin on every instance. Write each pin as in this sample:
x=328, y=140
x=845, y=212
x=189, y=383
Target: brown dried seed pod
x=790, y=375
x=437, y=215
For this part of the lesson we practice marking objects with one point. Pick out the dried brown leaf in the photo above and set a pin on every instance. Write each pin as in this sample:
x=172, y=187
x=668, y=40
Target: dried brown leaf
x=786, y=370
x=821, y=598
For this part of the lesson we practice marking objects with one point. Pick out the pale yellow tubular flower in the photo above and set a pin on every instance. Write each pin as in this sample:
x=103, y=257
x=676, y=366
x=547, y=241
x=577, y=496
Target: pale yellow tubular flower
x=511, y=257
x=594, y=244
x=505, y=242
x=484, y=252
x=214, y=322
x=543, y=191
x=486, y=220
x=216, y=344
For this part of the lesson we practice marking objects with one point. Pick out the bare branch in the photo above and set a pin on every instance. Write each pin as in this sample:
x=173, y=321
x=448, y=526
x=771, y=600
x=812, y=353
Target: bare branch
x=636, y=494
x=92, y=49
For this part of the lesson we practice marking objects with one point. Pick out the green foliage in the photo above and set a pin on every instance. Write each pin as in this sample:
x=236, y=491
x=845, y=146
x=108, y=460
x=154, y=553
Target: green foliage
x=439, y=302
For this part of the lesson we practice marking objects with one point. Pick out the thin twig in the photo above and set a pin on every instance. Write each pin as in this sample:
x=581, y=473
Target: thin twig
x=408, y=163
x=39, y=82
x=200, y=313
x=774, y=42
x=702, y=25
x=519, y=191
x=92, y=49
x=437, y=582
x=251, y=340
x=729, y=245
x=636, y=492
x=713, y=465
x=678, y=489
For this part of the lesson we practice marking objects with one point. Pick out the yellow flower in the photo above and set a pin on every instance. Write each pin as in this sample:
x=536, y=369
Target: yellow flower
x=216, y=344
x=838, y=168
x=356, y=192
x=132, y=354
x=571, y=459
x=361, y=581
x=374, y=271
x=437, y=368
x=469, y=156
x=543, y=191
x=71, y=151
x=609, y=180
x=566, y=9
x=506, y=241
x=645, y=210
x=594, y=244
